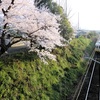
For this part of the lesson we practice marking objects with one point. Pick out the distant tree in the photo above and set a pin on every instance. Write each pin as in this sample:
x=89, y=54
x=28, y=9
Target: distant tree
x=56, y=9
x=39, y=25
x=41, y=3
x=65, y=27
x=92, y=34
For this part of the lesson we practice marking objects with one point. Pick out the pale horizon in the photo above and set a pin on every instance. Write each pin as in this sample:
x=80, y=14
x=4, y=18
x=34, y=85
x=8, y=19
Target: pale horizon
x=88, y=10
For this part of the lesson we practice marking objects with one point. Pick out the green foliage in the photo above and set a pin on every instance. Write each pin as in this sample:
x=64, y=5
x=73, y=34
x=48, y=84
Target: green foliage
x=40, y=3
x=92, y=34
x=65, y=27
x=24, y=77
x=56, y=9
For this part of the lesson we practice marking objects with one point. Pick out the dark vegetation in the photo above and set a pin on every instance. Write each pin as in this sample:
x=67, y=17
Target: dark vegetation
x=65, y=26
x=24, y=77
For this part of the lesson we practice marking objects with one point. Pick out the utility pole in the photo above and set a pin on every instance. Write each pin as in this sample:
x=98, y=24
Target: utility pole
x=66, y=7
x=78, y=21
x=59, y=2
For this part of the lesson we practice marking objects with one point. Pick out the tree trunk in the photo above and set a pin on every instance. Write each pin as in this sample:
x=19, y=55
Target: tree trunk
x=3, y=46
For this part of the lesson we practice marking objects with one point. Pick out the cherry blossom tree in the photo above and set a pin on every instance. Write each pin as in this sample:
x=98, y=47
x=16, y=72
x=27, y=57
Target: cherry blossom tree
x=37, y=26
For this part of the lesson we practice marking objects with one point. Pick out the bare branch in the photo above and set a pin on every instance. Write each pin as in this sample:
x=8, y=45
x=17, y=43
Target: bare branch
x=4, y=12
x=0, y=1
x=16, y=41
x=12, y=2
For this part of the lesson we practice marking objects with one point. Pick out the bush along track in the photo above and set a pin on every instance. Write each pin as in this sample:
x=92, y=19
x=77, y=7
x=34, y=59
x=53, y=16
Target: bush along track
x=24, y=77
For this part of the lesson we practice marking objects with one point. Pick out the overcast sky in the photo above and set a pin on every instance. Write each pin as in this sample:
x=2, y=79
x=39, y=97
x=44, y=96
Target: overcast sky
x=89, y=13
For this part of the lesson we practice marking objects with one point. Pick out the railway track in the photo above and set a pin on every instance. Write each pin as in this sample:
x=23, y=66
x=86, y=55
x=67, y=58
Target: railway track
x=90, y=87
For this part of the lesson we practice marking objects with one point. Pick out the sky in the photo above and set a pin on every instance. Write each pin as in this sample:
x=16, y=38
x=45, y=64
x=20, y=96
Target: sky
x=87, y=10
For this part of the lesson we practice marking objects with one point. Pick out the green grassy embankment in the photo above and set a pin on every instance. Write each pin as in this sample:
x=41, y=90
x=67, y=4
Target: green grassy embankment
x=24, y=77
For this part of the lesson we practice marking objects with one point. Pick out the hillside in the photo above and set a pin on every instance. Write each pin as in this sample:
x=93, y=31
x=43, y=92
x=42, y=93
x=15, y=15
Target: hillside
x=24, y=77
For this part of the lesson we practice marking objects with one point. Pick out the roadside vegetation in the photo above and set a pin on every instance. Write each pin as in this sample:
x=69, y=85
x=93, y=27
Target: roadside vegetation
x=24, y=77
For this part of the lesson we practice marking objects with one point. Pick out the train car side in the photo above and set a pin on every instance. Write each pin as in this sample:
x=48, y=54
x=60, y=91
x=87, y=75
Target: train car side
x=97, y=46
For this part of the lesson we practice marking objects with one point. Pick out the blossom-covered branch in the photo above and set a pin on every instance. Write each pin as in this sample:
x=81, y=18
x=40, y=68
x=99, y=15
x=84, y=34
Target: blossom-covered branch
x=38, y=25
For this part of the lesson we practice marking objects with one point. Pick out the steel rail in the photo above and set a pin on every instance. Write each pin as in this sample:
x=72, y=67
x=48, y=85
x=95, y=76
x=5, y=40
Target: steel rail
x=93, y=60
x=90, y=81
x=84, y=77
